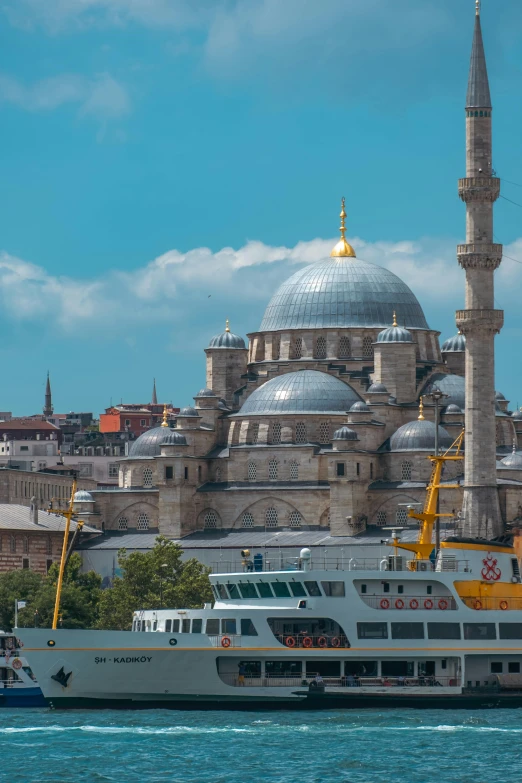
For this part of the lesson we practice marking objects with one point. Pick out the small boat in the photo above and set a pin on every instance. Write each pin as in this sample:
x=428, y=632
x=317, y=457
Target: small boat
x=18, y=685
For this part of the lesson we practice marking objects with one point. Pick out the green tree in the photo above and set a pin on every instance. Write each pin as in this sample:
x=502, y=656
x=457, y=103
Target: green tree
x=21, y=585
x=151, y=580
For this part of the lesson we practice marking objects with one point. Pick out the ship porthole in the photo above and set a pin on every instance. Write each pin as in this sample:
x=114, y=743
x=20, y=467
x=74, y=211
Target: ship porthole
x=51, y=643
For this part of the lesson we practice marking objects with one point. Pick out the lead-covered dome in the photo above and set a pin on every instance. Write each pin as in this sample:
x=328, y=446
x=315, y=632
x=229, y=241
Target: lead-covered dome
x=419, y=435
x=82, y=496
x=149, y=444
x=512, y=461
x=345, y=433
x=304, y=391
x=455, y=344
x=227, y=339
x=342, y=292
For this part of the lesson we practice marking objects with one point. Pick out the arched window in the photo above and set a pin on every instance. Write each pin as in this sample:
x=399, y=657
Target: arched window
x=401, y=516
x=320, y=348
x=254, y=433
x=271, y=517
x=147, y=477
x=143, y=522
x=406, y=471
x=295, y=519
x=344, y=348
x=272, y=470
x=211, y=519
x=123, y=523
x=248, y=520
x=367, y=347
x=276, y=346
x=252, y=471
x=218, y=475
x=381, y=518
x=300, y=432
x=26, y=545
x=276, y=432
x=324, y=432
x=298, y=348
x=294, y=471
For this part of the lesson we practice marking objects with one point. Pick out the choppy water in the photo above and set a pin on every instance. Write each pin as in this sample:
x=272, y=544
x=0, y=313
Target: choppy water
x=310, y=747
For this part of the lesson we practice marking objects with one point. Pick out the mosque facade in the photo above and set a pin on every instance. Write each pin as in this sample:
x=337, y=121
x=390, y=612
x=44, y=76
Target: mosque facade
x=325, y=416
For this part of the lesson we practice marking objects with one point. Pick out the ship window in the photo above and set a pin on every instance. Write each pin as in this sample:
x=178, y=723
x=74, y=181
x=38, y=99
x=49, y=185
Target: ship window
x=397, y=668
x=510, y=630
x=372, y=630
x=155, y=625
x=361, y=668
x=407, y=630
x=514, y=667
x=280, y=589
x=400, y=589
x=429, y=590
x=363, y=589
x=222, y=591
x=497, y=667
x=313, y=589
x=185, y=625
x=197, y=625
x=248, y=628
x=232, y=589
x=247, y=590
x=443, y=630
x=386, y=587
x=333, y=589
x=213, y=626
x=168, y=626
x=297, y=589
x=228, y=626
x=175, y=626
x=325, y=668
x=252, y=668
x=479, y=631
x=283, y=668
x=265, y=591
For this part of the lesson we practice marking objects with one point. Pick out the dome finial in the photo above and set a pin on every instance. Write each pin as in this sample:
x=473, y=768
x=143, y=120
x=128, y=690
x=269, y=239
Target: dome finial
x=394, y=319
x=227, y=326
x=342, y=248
x=165, y=422
x=477, y=7
x=421, y=410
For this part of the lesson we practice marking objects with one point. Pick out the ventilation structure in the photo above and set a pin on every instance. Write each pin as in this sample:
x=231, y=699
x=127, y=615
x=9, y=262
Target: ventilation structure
x=211, y=519
x=271, y=517
x=300, y=432
x=320, y=348
x=344, y=348
x=123, y=523
x=406, y=471
x=294, y=471
x=252, y=471
x=381, y=518
x=298, y=348
x=276, y=433
x=147, y=477
x=401, y=516
x=276, y=346
x=367, y=347
x=272, y=470
x=143, y=522
x=324, y=432
x=295, y=519
x=254, y=433
x=248, y=520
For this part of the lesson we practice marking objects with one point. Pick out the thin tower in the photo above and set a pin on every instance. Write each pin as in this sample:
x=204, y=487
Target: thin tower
x=480, y=322
x=154, y=395
x=48, y=404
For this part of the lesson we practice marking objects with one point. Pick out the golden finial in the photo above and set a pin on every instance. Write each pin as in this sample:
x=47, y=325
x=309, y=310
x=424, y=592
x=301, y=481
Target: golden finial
x=421, y=410
x=342, y=248
x=227, y=327
x=394, y=319
x=477, y=7
x=165, y=422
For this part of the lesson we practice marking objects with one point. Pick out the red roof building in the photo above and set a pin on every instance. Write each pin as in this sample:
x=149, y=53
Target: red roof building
x=133, y=418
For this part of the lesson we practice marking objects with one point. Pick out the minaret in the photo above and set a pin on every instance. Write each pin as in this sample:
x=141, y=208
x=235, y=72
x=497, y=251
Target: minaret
x=479, y=322
x=48, y=405
x=154, y=395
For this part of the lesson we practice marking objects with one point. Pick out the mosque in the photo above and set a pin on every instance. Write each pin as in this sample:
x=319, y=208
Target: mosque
x=324, y=418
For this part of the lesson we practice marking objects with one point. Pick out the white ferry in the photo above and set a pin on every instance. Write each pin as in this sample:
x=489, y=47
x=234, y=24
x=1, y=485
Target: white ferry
x=18, y=685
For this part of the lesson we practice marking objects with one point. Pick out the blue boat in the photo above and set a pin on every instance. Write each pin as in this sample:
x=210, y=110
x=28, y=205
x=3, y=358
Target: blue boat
x=18, y=685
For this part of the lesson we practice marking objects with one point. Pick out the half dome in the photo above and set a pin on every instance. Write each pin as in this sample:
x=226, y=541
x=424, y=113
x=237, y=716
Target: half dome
x=419, y=435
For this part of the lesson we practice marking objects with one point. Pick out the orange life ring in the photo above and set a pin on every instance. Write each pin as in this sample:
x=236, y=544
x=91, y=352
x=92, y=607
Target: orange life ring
x=428, y=603
x=226, y=641
x=477, y=604
x=321, y=642
x=385, y=604
x=307, y=641
x=443, y=604
x=399, y=603
x=414, y=604
x=290, y=641
x=17, y=663
x=336, y=642
x=503, y=605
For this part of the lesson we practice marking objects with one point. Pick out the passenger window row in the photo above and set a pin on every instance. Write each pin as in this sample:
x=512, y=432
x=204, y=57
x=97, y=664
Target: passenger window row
x=277, y=589
x=214, y=626
x=469, y=631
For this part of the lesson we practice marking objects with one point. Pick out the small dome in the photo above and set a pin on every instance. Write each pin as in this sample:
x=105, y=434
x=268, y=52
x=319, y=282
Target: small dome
x=149, y=444
x=499, y=396
x=304, y=391
x=345, y=433
x=453, y=409
x=395, y=334
x=517, y=415
x=419, y=435
x=227, y=339
x=378, y=388
x=82, y=496
x=452, y=385
x=206, y=393
x=359, y=407
x=512, y=461
x=455, y=344
x=188, y=411
x=174, y=438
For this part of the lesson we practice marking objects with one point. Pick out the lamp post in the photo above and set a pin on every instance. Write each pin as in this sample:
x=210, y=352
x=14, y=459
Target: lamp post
x=436, y=395
x=162, y=566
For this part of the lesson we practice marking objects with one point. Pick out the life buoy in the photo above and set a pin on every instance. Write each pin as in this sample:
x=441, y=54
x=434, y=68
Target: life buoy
x=336, y=642
x=428, y=603
x=321, y=642
x=385, y=604
x=399, y=603
x=290, y=641
x=226, y=641
x=443, y=604
x=414, y=604
x=477, y=604
x=17, y=663
x=503, y=605
x=307, y=641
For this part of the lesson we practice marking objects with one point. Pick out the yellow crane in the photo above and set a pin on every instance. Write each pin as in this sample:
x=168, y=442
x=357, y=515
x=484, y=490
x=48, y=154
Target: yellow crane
x=68, y=515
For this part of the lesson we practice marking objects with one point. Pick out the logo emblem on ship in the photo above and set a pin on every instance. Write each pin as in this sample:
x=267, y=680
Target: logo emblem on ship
x=490, y=572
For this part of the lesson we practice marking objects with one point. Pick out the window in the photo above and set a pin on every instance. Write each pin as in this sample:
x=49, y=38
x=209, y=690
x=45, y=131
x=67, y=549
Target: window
x=211, y=520
x=324, y=432
x=147, y=477
x=217, y=475
x=333, y=589
x=228, y=626
x=248, y=520
x=254, y=433
x=222, y=591
x=213, y=627
x=48, y=564
x=233, y=591
x=300, y=432
x=510, y=630
x=298, y=348
x=276, y=346
x=85, y=469
x=168, y=626
x=271, y=517
x=297, y=589
x=371, y=470
x=272, y=470
x=127, y=422
x=252, y=471
x=443, y=630
x=313, y=589
x=185, y=472
x=340, y=468
x=386, y=587
x=169, y=472
x=397, y=668
x=361, y=668
x=320, y=348
x=367, y=347
x=197, y=625
x=479, y=631
x=247, y=590
x=175, y=626
x=513, y=667
x=24, y=448
x=26, y=545
x=280, y=589
x=25, y=562
x=407, y=630
x=143, y=522
x=264, y=589
x=123, y=523
x=344, y=348
x=358, y=468
x=113, y=470
x=400, y=589
x=13, y=544
x=49, y=545
x=276, y=433
x=199, y=473
x=143, y=422
x=372, y=630
x=401, y=516
x=294, y=471
x=283, y=668
x=248, y=628
x=295, y=519
x=381, y=518
x=429, y=591
x=314, y=627
x=185, y=625
x=406, y=471
x=497, y=667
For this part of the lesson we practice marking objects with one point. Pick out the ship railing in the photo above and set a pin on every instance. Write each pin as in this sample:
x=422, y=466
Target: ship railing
x=311, y=641
x=226, y=640
x=291, y=681
x=267, y=564
x=479, y=603
x=403, y=603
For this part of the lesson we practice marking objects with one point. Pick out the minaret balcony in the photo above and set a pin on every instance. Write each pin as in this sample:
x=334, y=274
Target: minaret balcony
x=481, y=189
x=479, y=255
x=480, y=320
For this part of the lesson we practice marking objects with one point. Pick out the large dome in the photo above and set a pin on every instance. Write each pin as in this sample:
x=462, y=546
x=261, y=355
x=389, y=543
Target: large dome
x=342, y=292
x=149, y=444
x=304, y=391
x=419, y=435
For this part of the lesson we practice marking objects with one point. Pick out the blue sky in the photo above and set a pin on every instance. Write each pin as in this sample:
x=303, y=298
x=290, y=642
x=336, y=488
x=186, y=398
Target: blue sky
x=158, y=151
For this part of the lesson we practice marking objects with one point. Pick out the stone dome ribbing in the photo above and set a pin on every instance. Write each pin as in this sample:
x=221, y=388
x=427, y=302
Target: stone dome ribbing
x=227, y=339
x=455, y=344
x=395, y=334
x=419, y=435
x=149, y=444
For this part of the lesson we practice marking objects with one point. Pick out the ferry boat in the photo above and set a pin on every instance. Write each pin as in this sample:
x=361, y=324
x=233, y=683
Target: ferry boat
x=18, y=685
x=424, y=626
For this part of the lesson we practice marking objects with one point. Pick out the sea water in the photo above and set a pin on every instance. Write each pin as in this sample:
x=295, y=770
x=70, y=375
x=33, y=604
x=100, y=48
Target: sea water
x=371, y=746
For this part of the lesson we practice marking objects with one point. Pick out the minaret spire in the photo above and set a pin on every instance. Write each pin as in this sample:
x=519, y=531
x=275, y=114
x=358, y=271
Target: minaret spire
x=154, y=395
x=48, y=403
x=480, y=322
